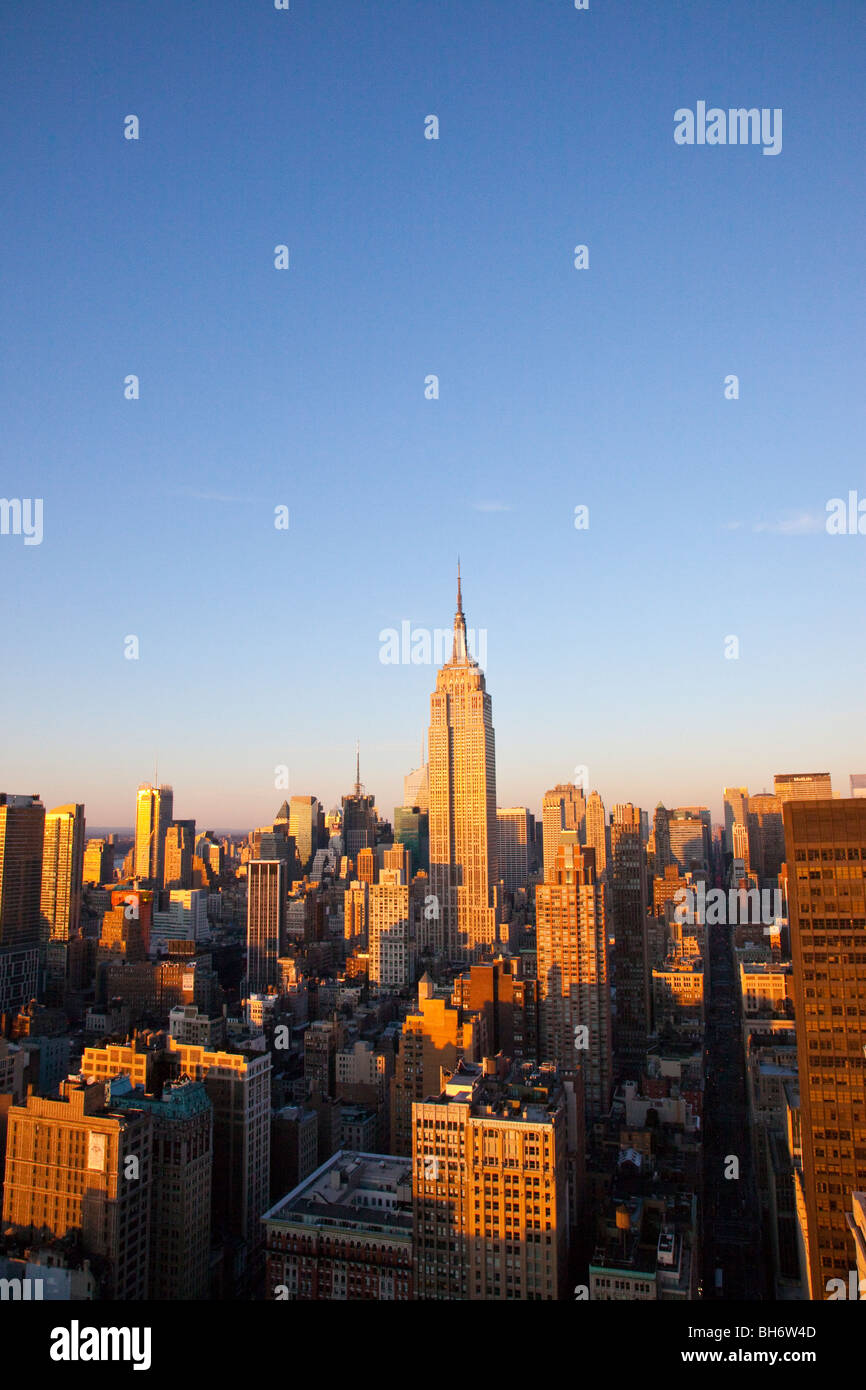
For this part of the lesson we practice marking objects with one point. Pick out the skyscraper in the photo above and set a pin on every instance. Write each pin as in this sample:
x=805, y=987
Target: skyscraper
x=563, y=810
x=266, y=898
x=22, y=825
x=60, y=908
x=180, y=1212
x=306, y=826
x=825, y=844
x=67, y=1171
x=802, y=786
x=416, y=788
x=464, y=832
x=98, y=862
x=153, y=813
x=412, y=829
x=573, y=987
x=628, y=905
x=179, y=852
x=515, y=833
x=437, y=1035
x=239, y=1089
x=490, y=1189
x=597, y=831
x=359, y=817
x=736, y=812
x=392, y=945
x=766, y=836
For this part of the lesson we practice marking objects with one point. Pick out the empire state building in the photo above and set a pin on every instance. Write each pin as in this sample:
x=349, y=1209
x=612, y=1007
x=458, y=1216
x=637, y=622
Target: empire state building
x=464, y=832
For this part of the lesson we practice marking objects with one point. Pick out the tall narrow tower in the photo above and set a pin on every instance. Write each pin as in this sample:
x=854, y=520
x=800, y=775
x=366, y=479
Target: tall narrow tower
x=62, y=870
x=464, y=833
x=154, y=808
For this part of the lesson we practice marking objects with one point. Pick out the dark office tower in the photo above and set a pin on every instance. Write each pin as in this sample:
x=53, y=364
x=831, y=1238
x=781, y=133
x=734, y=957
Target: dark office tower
x=180, y=1208
x=825, y=848
x=22, y=827
x=153, y=812
x=359, y=818
x=628, y=909
x=662, y=840
x=766, y=837
x=179, y=851
x=412, y=829
x=266, y=899
x=60, y=905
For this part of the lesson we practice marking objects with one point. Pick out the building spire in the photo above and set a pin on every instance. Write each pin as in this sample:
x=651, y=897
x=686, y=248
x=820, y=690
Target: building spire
x=358, y=768
x=459, y=651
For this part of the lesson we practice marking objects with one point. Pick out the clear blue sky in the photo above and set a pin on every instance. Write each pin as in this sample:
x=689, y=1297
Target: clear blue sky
x=305, y=387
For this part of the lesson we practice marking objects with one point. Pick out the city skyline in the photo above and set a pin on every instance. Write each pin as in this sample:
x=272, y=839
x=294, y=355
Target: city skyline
x=304, y=388
x=627, y=789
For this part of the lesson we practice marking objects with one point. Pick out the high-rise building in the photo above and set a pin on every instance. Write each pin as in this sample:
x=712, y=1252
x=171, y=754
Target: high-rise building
x=239, y=1089
x=412, y=829
x=802, y=786
x=98, y=862
x=736, y=812
x=416, y=788
x=359, y=817
x=306, y=826
x=437, y=1035
x=597, y=832
x=515, y=835
x=489, y=1179
x=153, y=813
x=689, y=832
x=22, y=827
x=366, y=870
x=858, y=784
x=506, y=1001
x=825, y=851
x=662, y=856
x=356, y=916
x=179, y=853
x=60, y=907
x=563, y=821
x=464, y=832
x=573, y=986
x=266, y=908
x=393, y=949
x=399, y=857
x=628, y=906
x=68, y=1170
x=766, y=836
x=180, y=1209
